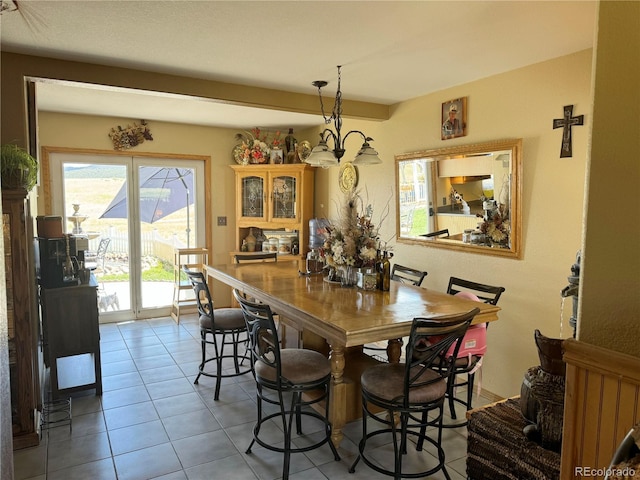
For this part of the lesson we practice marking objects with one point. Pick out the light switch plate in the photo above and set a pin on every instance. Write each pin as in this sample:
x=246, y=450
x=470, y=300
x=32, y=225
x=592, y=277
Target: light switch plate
x=222, y=221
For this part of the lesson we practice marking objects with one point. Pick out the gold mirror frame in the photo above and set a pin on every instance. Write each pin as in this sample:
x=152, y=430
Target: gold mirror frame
x=426, y=202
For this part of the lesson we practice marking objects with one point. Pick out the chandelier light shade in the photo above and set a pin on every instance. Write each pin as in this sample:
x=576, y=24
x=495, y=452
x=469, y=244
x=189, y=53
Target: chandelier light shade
x=320, y=155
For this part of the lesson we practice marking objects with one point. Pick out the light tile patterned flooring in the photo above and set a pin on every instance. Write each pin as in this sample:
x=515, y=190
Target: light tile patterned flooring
x=152, y=422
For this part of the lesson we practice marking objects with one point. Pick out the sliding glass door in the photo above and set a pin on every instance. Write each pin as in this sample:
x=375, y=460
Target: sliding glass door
x=135, y=211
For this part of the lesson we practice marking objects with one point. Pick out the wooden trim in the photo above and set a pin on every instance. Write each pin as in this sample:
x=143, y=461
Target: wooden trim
x=602, y=398
x=598, y=359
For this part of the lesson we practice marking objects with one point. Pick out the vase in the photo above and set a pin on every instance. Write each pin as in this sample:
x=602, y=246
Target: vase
x=251, y=241
x=348, y=276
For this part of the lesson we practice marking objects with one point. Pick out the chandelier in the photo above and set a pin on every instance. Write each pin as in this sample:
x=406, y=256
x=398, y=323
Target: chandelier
x=321, y=156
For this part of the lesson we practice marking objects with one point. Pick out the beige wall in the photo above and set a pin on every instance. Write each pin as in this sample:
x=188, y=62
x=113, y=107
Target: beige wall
x=610, y=302
x=517, y=104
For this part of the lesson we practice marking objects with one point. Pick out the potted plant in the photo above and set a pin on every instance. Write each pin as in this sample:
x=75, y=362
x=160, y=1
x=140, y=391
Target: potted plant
x=18, y=169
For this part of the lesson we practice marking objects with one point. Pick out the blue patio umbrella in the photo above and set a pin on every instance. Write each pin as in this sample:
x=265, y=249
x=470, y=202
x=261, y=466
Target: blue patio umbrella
x=162, y=191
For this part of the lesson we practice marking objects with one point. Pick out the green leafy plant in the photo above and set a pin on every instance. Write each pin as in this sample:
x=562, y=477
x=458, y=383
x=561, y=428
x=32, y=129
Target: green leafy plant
x=17, y=167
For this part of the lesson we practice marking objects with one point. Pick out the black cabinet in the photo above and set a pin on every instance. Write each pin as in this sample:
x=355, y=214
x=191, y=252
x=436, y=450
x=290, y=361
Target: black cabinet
x=72, y=338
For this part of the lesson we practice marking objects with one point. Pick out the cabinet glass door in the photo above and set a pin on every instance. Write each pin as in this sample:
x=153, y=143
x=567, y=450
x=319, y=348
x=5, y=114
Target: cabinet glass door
x=253, y=197
x=284, y=191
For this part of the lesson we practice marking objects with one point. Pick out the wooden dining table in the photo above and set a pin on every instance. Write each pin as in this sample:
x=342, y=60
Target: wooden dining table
x=344, y=318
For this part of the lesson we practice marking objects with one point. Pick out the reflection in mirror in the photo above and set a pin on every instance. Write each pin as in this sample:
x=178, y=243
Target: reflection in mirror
x=465, y=197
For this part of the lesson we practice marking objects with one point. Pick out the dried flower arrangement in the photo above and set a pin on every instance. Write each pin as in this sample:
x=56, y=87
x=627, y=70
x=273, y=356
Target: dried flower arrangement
x=353, y=240
x=131, y=136
x=255, y=147
x=497, y=226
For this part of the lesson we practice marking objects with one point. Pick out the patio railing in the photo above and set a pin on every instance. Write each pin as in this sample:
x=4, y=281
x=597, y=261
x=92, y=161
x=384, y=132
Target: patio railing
x=152, y=244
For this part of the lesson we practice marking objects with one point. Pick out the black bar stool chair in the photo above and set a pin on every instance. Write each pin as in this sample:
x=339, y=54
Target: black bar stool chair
x=468, y=364
x=226, y=322
x=399, y=273
x=408, y=392
x=403, y=274
x=287, y=371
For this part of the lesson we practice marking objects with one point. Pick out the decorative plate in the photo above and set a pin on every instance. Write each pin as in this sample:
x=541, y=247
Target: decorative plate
x=348, y=177
x=236, y=153
x=304, y=150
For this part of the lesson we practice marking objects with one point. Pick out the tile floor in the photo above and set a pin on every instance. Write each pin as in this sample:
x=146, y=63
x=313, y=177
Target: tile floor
x=152, y=422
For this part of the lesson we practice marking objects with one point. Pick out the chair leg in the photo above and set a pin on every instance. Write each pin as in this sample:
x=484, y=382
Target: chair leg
x=423, y=431
x=470, y=379
x=441, y=458
x=288, y=426
x=256, y=429
x=216, y=395
x=363, y=440
x=404, y=420
x=203, y=343
x=451, y=391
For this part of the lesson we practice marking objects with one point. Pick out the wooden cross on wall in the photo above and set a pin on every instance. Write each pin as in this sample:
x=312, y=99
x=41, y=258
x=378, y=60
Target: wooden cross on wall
x=566, y=123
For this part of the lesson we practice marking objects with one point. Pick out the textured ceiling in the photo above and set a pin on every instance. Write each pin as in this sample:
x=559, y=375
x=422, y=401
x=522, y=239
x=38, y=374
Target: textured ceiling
x=390, y=50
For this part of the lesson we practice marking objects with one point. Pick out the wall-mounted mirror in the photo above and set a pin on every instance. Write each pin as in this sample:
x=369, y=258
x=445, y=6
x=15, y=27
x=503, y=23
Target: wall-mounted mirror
x=465, y=198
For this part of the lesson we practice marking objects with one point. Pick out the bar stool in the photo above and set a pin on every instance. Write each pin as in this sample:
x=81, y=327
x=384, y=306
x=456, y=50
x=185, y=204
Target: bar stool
x=227, y=322
x=280, y=371
x=468, y=364
x=399, y=273
x=408, y=392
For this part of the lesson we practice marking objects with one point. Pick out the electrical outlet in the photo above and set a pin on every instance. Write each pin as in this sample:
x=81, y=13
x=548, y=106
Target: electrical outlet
x=444, y=200
x=222, y=221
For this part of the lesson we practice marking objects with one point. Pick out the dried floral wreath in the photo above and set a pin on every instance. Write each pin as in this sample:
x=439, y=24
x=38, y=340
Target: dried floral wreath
x=131, y=136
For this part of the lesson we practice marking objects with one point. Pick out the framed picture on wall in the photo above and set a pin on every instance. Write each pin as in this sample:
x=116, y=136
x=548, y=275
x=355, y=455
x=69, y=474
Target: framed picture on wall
x=454, y=118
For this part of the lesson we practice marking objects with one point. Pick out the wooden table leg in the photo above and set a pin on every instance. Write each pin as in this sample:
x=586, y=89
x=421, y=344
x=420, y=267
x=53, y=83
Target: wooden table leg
x=338, y=400
x=394, y=350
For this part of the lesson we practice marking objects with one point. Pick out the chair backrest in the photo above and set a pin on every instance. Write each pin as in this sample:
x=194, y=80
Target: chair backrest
x=263, y=338
x=439, y=233
x=204, y=300
x=430, y=339
x=102, y=247
x=403, y=274
x=256, y=257
x=486, y=293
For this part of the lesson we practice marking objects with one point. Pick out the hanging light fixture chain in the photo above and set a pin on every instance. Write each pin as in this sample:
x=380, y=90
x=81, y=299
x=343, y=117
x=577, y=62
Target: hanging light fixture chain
x=321, y=155
x=337, y=107
x=321, y=84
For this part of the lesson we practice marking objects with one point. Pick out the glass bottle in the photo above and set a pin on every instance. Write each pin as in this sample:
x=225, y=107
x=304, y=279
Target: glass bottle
x=251, y=241
x=386, y=272
x=377, y=266
x=290, y=144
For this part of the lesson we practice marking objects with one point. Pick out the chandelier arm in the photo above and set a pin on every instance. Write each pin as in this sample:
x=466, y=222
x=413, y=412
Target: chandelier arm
x=365, y=138
x=329, y=134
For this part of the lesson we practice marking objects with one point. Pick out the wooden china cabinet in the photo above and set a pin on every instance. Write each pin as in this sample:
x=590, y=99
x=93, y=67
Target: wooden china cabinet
x=22, y=316
x=273, y=197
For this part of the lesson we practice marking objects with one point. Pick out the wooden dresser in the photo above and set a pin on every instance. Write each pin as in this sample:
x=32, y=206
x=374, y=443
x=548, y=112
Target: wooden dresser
x=23, y=318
